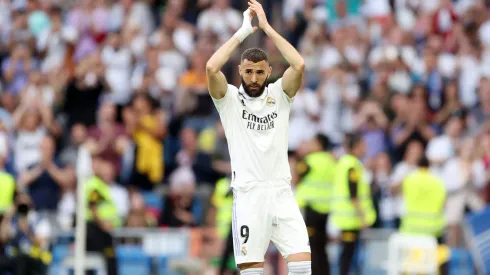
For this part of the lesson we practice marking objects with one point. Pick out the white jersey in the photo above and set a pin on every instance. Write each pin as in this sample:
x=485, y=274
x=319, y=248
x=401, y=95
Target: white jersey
x=257, y=134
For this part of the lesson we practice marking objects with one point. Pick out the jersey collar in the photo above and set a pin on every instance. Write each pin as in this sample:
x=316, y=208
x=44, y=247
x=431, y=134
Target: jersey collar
x=244, y=95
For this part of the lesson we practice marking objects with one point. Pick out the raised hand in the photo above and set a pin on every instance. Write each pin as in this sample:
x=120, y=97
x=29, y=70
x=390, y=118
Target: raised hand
x=256, y=7
x=246, y=29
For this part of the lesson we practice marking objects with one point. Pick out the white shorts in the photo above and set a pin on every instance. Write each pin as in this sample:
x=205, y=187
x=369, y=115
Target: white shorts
x=268, y=212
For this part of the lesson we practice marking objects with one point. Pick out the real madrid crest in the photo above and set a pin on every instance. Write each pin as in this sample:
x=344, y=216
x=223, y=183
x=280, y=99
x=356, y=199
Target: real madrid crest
x=244, y=251
x=271, y=101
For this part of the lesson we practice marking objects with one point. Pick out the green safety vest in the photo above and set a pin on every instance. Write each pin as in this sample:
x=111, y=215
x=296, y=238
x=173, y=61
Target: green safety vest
x=7, y=195
x=314, y=190
x=98, y=190
x=223, y=203
x=424, y=196
x=344, y=214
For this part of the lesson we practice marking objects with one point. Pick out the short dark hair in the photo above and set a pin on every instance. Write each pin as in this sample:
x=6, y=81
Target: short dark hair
x=324, y=141
x=353, y=139
x=424, y=162
x=254, y=55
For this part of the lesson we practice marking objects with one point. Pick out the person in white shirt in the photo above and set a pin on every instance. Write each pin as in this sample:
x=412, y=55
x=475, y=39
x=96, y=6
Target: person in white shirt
x=464, y=177
x=255, y=119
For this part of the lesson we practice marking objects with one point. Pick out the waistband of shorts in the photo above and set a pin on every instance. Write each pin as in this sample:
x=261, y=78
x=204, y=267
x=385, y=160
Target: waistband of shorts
x=265, y=183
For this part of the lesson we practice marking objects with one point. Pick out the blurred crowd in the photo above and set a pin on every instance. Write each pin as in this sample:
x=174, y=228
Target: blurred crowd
x=127, y=79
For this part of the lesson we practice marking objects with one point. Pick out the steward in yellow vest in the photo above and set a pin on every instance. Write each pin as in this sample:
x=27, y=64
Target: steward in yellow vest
x=313, y=192
x=102, y=218
x=424, y=195
x=8, y=189
x=352, y=208
x=222, y=201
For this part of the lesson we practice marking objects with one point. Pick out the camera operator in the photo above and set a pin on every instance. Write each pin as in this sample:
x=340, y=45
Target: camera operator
x=26, y=237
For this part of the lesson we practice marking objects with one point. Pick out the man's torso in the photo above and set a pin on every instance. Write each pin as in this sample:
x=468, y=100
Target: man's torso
x=257, y=134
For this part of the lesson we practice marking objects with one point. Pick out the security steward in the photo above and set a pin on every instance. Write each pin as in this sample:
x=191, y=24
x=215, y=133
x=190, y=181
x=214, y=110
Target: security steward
x=7, y=182
x=102, y=218
x=352, y=207
x=222, y=201
x=424, y=195
x=317, y=172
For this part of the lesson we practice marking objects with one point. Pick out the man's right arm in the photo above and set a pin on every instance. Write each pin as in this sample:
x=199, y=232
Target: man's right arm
x=217, y=83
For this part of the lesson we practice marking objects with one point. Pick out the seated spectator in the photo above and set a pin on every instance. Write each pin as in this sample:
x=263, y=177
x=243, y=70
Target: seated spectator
x=24, y=232
x=138, y=208
x=46, y=180
x=178, y=208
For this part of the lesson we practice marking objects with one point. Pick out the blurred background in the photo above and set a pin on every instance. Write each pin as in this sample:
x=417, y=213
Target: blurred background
x=126, y=79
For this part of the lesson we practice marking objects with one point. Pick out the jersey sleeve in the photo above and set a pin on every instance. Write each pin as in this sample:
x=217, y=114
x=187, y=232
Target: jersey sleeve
x=224, y=103
x=284, y=97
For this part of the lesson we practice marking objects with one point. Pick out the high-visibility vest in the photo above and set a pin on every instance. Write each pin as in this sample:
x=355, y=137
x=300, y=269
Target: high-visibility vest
x=314, y=190
x=98, y=191
x=424, y=195
x=8, y=188
x=344, y=214
x=223, y=202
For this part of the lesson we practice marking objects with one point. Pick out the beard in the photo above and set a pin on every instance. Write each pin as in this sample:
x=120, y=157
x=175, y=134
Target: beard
x=254, y=90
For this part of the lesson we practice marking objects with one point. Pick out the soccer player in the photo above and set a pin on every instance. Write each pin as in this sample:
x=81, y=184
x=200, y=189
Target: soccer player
x=255, y=118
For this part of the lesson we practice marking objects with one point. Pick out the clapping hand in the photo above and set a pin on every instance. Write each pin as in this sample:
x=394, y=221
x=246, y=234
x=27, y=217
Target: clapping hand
x=256, y=7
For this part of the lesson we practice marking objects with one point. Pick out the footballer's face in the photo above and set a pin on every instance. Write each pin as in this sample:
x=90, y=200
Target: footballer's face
x=254, y=76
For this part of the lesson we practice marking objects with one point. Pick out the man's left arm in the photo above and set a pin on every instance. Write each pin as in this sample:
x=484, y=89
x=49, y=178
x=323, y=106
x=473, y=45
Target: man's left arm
x=293, y=76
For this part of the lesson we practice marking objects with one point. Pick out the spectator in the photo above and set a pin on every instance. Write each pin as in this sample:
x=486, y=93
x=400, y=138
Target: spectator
x=147, y=127
x=465, y=177
x=108, y=139
x=190, y=156
x=220, y=18
x=32, y=122
x=118, y=60
x=381, y=190
x=23, y=229
x=442, y=147
x=83, y=91
x=178, y=208
x=46, y=180
x=193, y=100
x=372, y=122
x=450, y=103
x=305, y=114
x=481, y=112
x=415, y=127
x=17, y=67
x=69, y=154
